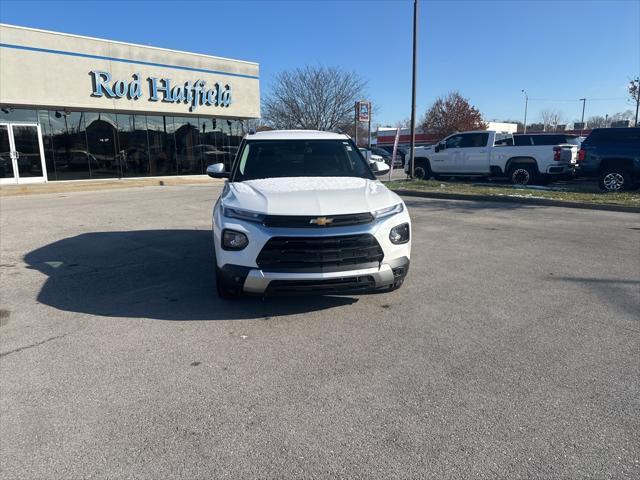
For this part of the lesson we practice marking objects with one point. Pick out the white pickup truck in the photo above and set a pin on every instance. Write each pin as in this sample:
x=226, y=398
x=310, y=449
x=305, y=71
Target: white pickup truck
x=492, y=154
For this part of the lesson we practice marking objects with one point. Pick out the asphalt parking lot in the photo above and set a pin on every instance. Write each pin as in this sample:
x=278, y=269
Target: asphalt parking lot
x=512, y=351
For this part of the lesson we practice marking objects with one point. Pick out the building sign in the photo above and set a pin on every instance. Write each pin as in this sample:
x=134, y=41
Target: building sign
x=193, y=94
x=364, y=111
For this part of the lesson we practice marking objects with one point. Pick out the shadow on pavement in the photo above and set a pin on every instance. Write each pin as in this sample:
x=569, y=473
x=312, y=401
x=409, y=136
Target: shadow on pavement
x=158, y=274
x=621, y=294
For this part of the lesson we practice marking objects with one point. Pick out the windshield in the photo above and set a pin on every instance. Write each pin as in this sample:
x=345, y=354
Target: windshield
x=300, y=158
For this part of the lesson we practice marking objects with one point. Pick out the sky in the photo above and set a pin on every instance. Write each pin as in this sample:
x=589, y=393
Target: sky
x=558, y=51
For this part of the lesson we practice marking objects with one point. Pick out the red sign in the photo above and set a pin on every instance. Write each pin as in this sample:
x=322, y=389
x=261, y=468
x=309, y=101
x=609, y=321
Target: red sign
x=364, y=111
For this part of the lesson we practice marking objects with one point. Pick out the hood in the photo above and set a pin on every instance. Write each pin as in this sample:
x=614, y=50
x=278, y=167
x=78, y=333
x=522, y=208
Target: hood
x=309, y=195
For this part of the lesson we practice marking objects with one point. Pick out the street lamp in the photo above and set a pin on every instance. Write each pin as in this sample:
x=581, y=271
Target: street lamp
x=526, y=104
x=584, y=102
x=412, y=140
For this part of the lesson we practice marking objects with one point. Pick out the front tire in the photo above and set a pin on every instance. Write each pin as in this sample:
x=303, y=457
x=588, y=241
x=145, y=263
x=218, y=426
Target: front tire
x=422, y=171
x=614, y=179
x=522, y=174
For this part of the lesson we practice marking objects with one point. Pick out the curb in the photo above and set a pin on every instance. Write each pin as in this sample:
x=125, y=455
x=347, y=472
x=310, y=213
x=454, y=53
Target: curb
x=547, y=202
x=103, y=184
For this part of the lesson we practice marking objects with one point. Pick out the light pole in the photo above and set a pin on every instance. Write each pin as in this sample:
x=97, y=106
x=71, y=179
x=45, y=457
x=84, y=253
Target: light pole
x=412, y=142
x=526, y=104
x=584, y=102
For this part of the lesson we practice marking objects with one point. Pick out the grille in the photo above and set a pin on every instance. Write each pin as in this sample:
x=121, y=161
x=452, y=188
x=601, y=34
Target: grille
x=338, y=285
x=297, y=221
x=320, y=254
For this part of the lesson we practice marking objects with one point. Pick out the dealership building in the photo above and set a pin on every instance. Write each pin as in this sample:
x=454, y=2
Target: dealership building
x=75, y=108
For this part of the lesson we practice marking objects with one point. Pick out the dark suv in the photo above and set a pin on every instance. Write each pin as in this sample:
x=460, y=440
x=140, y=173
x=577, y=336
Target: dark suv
x=612, y=155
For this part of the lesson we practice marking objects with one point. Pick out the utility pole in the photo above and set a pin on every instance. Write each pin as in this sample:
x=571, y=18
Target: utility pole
x=526, y=104
x=584, y=102
x=412, y=144
x=369, y=143
x=634, y=90
x=355, y=124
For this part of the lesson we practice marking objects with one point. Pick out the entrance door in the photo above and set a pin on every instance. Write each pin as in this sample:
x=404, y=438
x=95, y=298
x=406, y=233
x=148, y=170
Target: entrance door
x=21, y=154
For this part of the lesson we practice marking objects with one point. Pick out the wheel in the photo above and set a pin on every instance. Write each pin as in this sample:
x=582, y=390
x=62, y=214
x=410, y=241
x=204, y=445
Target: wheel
x=614, y=179
x=225, y=292
x=422, y=171
x=522, y=174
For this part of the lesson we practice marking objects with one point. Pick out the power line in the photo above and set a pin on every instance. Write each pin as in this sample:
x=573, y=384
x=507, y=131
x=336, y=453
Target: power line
x=576, y=99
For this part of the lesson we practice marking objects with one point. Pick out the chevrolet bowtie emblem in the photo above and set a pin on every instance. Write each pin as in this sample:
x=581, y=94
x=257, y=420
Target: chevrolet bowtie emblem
x=321, y=221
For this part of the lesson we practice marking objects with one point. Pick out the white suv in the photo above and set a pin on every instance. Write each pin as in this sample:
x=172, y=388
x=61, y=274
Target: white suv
x=303, y=212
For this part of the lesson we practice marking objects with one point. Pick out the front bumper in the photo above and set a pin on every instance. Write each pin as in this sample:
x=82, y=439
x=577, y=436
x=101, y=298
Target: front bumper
x=242, y=272
x=257, y=282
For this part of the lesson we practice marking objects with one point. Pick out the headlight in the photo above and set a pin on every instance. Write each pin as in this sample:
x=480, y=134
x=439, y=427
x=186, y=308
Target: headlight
x=387, y=212
x=399, y=234
x=243, y=214
x=232, y=240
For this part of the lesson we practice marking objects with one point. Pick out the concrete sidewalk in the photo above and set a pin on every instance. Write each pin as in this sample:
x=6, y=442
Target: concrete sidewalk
x=103, y=184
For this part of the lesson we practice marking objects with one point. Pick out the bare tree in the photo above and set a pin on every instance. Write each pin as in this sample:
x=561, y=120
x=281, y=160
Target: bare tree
x=406, y=123
x=318, y=98
x=550, y=118
x=626, y=115
x=597, y=121
x=452, y=113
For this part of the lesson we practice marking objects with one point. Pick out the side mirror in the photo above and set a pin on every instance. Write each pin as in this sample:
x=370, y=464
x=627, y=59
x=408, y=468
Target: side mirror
x=379, y=168
x=216, y=170
x=440, y=147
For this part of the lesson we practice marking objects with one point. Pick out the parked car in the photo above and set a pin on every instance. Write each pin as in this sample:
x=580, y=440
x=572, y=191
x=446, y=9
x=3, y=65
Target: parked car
x=370, y=156
x=303, y=212
x=492, y=154
x=401, y=154
x=613, y=156
x=386, y=156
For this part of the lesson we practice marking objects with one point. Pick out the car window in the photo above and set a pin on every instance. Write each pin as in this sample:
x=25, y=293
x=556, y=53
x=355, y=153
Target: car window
x=300, y=158
x=504, y=142
x=474, y=140
x=522, y=140
x=612, y=136
x=454, y=142
x=548, y=139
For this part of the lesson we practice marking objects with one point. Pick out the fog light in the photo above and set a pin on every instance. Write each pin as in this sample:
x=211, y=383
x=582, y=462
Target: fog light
x=232, y=240
x=399, y=234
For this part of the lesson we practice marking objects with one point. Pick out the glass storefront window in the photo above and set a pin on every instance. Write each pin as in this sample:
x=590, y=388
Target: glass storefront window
x=133, y=146
x=72, y=160
x=83, y=145
x=162, y=145
x=6, y=163
x=10, y=114
x=213, y=142
x=101, y=140
x=188, y=147
x=45, y=127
